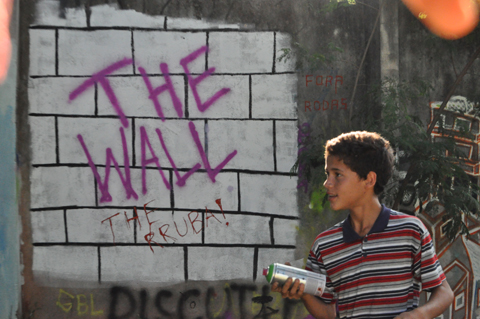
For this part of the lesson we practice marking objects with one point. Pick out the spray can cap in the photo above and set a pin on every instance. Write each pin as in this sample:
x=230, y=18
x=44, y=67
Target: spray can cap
x=268, y=272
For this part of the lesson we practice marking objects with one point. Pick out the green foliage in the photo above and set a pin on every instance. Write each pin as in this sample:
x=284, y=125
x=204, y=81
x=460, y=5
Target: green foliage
x=430, y=170
x=318, y=199
x=307, y=60
x=436, y=174
x=435, y=167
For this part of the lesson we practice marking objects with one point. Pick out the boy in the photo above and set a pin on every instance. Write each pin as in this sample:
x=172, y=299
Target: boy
x=377, y=260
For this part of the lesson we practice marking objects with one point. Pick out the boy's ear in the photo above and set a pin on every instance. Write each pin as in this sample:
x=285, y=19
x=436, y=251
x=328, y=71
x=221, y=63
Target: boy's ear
x=371, y=179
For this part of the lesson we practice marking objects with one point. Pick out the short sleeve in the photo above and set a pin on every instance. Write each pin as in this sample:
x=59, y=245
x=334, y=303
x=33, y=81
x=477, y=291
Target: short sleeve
x=427, y=268
x=315, y=264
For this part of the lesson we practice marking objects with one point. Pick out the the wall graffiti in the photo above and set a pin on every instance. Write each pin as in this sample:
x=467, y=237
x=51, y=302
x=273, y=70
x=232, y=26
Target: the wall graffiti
x=101, y=78
x=158, y=162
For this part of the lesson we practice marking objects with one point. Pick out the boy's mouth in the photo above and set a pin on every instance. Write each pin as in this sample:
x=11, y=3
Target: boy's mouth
x=331, y=196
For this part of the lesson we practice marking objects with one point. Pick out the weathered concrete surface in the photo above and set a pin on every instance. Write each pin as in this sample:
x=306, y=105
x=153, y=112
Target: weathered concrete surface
x=338, y=38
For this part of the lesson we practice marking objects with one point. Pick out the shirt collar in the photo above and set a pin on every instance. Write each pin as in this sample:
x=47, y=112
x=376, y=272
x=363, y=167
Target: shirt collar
x=349, y=235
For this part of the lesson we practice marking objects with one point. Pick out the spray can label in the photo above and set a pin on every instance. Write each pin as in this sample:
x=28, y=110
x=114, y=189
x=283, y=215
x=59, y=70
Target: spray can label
x=314, y=282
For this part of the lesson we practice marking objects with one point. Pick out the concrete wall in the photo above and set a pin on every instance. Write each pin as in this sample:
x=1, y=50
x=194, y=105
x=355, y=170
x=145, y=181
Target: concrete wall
x=146, y=192
x=160, y=152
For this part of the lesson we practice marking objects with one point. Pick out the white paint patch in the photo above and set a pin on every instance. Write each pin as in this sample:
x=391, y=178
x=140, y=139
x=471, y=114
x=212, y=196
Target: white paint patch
x=184, y=129
x=109, y=16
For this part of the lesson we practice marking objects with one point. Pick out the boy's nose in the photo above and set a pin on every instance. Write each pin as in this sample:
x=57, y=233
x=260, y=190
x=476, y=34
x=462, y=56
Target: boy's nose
x=327, y=183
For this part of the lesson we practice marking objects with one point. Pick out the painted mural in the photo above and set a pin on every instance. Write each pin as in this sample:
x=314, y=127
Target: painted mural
x=460, y=258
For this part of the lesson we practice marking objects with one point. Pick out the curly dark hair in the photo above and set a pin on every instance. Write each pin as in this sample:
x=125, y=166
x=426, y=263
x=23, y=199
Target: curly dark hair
x=364, y=152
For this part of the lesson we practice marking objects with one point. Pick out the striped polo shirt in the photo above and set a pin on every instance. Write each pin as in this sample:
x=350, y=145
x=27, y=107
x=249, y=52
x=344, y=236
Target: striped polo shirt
x=379, y=275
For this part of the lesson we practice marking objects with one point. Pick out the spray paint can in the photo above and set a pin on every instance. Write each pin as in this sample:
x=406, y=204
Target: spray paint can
x=314, y=282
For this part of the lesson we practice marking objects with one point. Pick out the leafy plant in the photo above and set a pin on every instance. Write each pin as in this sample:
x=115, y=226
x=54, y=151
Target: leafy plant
x=307, y=60
x=435, y=167
x=428, y=170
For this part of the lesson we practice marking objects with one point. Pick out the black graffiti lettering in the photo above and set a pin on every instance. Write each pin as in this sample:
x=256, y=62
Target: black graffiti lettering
x=242, y=290
x=163, y=294
x=266, y=312
x=228, y=291
x=183, y=299
x=210, y=295
x=143, y=303
x=115, y=295
x=233, y=302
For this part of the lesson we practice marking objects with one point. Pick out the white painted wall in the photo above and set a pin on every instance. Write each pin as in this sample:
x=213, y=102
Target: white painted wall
x=251, y=128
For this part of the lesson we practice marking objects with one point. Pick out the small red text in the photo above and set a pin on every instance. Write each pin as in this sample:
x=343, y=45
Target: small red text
x=195, y=222
x=318, y=80
x=326, y=105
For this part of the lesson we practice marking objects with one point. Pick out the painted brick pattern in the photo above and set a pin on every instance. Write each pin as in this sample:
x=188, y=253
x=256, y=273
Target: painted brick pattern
x=43, y=96
x=159, y=144
x=133, y=95
x=53, y=263
x=142, y=265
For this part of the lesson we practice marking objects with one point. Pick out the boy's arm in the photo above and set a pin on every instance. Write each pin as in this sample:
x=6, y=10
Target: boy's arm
x=440, y=299
x=314, y=305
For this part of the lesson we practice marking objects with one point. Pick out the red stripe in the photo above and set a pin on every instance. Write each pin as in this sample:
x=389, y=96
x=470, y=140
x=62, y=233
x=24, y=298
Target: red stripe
x=338, y=248
x=329, y=232
x=376, y=302
x=395, y=234
x=429, y=262
x=434, y=283
x=417, y=257
x=426, y=240
x=403, y=217
x=372, y=237
x=375, y=280
x=350, y=263
x=370, y=258
x=327, y=296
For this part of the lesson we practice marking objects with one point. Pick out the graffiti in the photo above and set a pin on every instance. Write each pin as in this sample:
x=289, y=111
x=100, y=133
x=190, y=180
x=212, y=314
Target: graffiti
x=193, y=82
x=264, y=299
x=66, y=302
x=232, y=302
x=303, y=135
x=111, y=225
x=326, y=105
x=328, y=82
x=102, y=79
x=163, y=230
x=103, y=186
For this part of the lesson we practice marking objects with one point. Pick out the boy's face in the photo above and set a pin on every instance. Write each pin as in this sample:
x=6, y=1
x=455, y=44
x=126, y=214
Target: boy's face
x=345, y=189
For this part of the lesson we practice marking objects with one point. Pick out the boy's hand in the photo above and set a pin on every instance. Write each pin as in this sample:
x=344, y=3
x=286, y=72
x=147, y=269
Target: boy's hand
x=290, y=290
